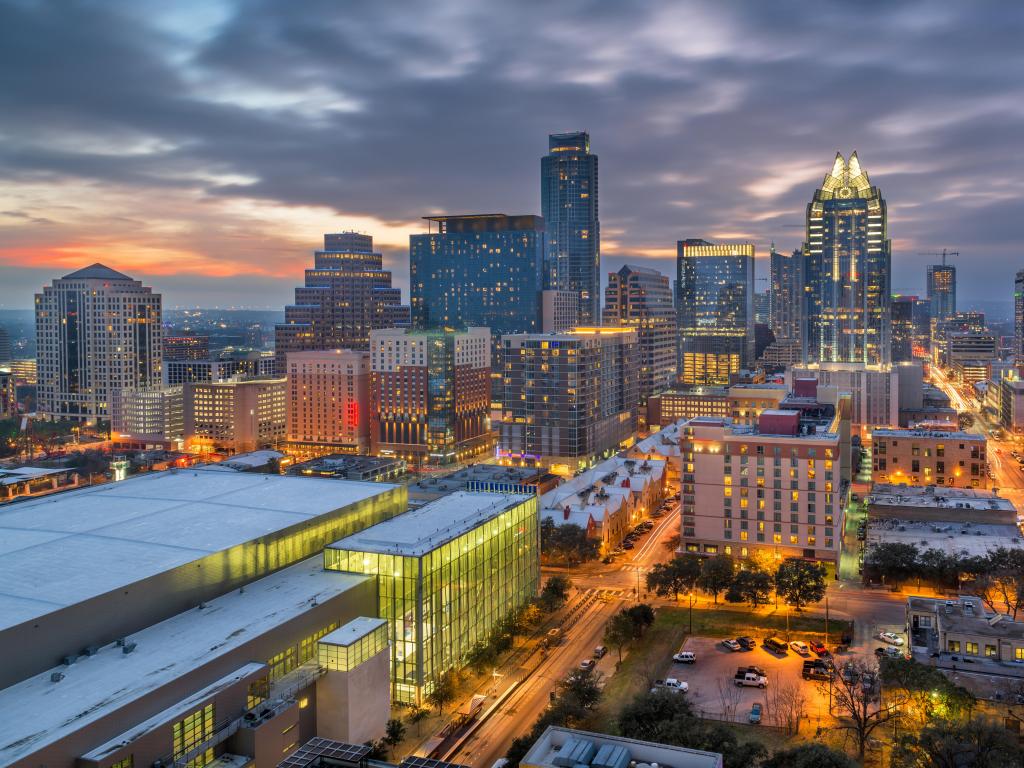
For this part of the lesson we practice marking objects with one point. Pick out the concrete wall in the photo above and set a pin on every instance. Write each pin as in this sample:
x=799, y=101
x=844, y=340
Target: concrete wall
x=354, y=706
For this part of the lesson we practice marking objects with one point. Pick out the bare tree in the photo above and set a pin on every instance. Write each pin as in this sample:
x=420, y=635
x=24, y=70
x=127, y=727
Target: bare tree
x=858, y=706
x=787, y=704
x=729, y=695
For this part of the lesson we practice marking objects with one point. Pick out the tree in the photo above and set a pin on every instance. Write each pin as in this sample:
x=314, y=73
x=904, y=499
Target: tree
x=554, y=594
x=892, y=562
x=800, y=582
x=568, y=544
x=443, y=691
x=394, y=732
x=481, y=656
x=939, y=568
x=998, y=579
x=645, y=717
x=378, y=750
x=752, y=587
x=672, y=542
x=416, y=716
x=678, y=575
x=930, y=692
x=855, y=694
x=975, y=744
x=716, y=575
x=809, y=756
x=579, y=690
x=642, y=616
x=787, y=701
x=619, y=631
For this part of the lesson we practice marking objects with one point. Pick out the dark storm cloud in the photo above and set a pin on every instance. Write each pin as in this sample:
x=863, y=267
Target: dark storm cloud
x=709, y=118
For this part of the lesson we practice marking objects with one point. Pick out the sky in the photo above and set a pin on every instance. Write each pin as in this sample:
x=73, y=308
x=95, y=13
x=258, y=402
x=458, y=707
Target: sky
x=204, y=146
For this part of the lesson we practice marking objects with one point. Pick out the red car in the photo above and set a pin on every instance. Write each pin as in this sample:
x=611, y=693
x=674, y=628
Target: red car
x=819, y=648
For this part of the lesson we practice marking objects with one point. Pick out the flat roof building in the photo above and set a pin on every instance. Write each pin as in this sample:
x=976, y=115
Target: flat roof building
x=235, y=415
x=925, y=457
x=930, y=503
x=561, y=747
x=964, y=626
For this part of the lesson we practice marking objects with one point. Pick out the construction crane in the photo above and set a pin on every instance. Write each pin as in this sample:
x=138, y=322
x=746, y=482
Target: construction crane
x=944, y=254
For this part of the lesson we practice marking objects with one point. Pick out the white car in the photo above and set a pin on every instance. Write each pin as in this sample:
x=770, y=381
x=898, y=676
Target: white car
x=671, y=684
x=891, y=638
x=800, y=647
x=684, y=657
x=732, y=645
x=587, y=664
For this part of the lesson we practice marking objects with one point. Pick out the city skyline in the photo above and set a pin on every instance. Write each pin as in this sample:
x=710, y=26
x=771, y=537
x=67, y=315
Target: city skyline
x=214, y=180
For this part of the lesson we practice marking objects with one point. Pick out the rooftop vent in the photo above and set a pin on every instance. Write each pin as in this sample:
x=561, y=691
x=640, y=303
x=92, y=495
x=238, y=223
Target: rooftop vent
x=56, y=677
x=67, y=661
x=128, y=648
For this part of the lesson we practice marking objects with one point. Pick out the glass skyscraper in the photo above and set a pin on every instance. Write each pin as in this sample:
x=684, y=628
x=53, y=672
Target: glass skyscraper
x=481, y=270
x=715, y=309
x=568, y=196
x=847, y=261
x=942, y=290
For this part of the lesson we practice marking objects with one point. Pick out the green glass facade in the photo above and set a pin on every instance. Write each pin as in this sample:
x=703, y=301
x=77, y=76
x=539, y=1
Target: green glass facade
x=440, y=602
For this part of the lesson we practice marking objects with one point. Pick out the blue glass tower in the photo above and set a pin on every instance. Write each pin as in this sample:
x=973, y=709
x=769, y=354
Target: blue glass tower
x=569, y=205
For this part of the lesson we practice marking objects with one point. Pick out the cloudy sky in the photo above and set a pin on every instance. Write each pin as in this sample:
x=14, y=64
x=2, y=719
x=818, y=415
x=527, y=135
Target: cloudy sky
x=205, y=148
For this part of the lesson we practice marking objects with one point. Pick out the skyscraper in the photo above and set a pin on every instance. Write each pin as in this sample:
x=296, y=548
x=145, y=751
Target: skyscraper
x=482, y=270
x=97, y=331
x=715, y=310
x=786, y=294
x=1018, y=315
x=847, y=260
x=942, y=290
x=346, y=294
x=641, y=298
x=568, y=196
x=904, y=329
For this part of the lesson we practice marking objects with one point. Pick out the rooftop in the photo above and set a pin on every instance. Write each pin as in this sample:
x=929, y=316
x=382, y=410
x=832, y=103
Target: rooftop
x=952, y=537
x=59, y=550
x=419, y=531
x=934, y=497
x=928, y=433
x=96, y=271
x=968, y=615
x=38, y=711
x=567, y=748
x=13, y=475
x=459, y=480
x=355, y=629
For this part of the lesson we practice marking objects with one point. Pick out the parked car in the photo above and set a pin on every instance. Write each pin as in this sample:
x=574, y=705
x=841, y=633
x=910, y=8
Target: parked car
x=891, y=638
x=750, y=679
x=587, y=664
x=816, y=670
x=751, y=668
x=800, y=647
x=747, y=643
x=889, y=650
x=819, y=648
x=554, y=636
x=670, y=684
x=776, y=644
x=684, y=657
x=627, y=544
x=755, y=713
x=600, y=652
x=732, y=645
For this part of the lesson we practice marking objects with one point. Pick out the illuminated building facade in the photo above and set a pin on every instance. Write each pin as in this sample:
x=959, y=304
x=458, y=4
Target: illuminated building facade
x=8, y=394
x=186, y=347
x=786, y=295
x=246, y=365
x=942, y=290
x=742, y=403
x=715, y=310
x=569, y=196
x=481, y=271
x=430, y=394
x=559, y=310
x=847, y=264
x=570, y=398
x=447, y=573
x=641, y=298
x=924, y=457
x=904, y=329
x=97, y=331
x=346, y=294
x=772, y=488
x=235, y=415
x=328, y=402
x=154, y=413
x=1018, y=315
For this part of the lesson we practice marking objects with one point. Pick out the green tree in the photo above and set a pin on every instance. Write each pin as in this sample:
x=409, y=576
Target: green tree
x=554, y=594
x=672, y=542
x=481, y=657
x=443, y=691
x=800, y=582
x=646, y=716
x=892, y=562
x=579, y=690
x=971, y=744
x=678, y=575
x=998, y=579
x=939, y=568
x=809, y=756
x=394, y=732
x=416, y=716
x=750, y=586
x=618, y=631
x=855, y=696
x=378, y=750
x=566, y=544
x=642, y=616
x=931, y=693
x=716, y=574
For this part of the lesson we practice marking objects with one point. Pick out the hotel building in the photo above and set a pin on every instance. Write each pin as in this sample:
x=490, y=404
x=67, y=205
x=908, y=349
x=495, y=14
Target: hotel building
x=742, y=403
x=235, y=415
x=186, y=348
x=328, y=402
x=152, y=415
x=923, y=457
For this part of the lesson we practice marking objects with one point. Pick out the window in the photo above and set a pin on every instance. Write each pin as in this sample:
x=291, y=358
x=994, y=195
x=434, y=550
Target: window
x=192, y=731
x=924, y=622
x=972, y=648
x=126, y=762
x=990, y=651
x=1018, y=654
x=953, y=646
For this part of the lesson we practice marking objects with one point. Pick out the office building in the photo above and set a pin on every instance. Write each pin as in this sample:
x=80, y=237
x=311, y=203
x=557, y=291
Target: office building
x=346, y=294
x=569, y=398
x=742, y=403
x=715, y=306
x=235, y=415
x=446, y=574
x=242, y=364
x=186, y=348
x=430, y=394
x=557, y=746
x=848, y=256
x=641, y=298
x=569, y=197
x=1018, y=315
x=328, y=402
x=786, y=295
x=559, y=310
x=942, y=290
x=951, y=347
x=97, y=332
x=152, y=415
x=8, y=394
x=481, y=270
x=875, y=390
x=904, y=328
x=25, y=371
x=1011, y=405
x=927, y=457
x=773, y=488
x=202, y=643
x=966, y=627
x=6, y=354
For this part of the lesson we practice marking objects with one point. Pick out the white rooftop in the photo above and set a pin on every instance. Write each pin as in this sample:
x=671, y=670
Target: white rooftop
x=936, y=497
x=418, y=531
x=952, y=537
x=560, y=747
x=62, y=549
x=38, y=712
x=13, y=475
x=358, y=628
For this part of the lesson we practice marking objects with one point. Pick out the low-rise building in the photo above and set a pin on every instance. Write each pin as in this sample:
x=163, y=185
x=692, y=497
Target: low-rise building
x=152, y=417
x=346, y=467
x=933, y=504
x=609, y=500
x=561, y=747
x=742, y=403
x=19, y=482
x=236, y=415
x=964, y=627
x=1011, y=403
x=922, y=457
x=493, y=478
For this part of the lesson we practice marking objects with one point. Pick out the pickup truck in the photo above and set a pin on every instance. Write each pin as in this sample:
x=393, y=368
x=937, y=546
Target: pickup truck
x=816, y=670
x=750, y=679
x=670, y=684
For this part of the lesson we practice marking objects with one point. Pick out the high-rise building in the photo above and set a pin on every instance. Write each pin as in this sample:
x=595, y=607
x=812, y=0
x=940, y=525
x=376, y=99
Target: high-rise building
x=8, y=394
x=153, y=414
x=236, y=364
x=235, y=415
x=570, y=398
x=942, y=290
x=97, y=331
x=904, y=329
x=715, y=310
x=786, y=295
x=559, y=310
x=568, y=196
x=346, y=294
x=478, y=271
x=430, y=394
x=328, y=402
x=1018, y=315
x=762, y=307
x=847, y=261
x=186, y=347
x=5, y=346
x=641, y=298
